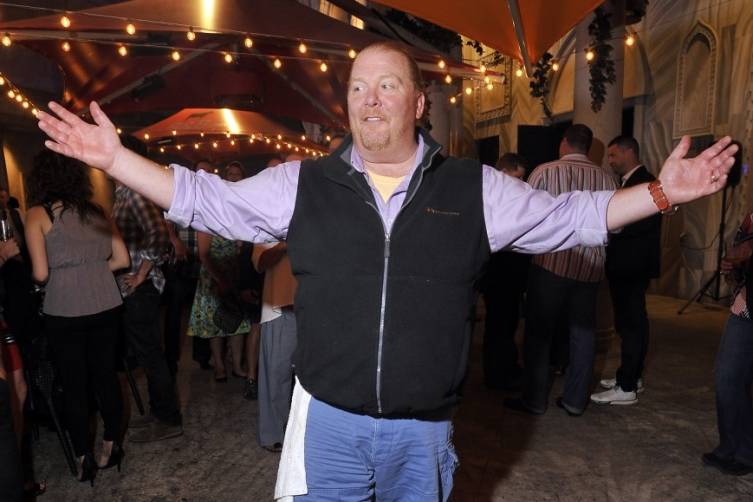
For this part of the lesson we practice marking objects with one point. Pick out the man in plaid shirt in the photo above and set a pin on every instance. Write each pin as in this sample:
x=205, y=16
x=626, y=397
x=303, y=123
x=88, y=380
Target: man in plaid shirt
x=145, y=234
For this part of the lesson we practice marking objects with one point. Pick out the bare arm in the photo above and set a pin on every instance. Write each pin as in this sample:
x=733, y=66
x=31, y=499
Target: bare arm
x=204, y=244
x=271, y=257
x=98, y=145
x=35, y=222
x=119, y=258
x=684, y=180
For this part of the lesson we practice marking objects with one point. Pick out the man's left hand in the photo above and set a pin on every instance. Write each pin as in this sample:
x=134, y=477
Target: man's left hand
x=688, y=179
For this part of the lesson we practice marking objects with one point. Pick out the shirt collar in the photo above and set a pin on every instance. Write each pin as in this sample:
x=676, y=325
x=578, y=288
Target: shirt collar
x=628, y=174
x=357, y=161
x=576, y=156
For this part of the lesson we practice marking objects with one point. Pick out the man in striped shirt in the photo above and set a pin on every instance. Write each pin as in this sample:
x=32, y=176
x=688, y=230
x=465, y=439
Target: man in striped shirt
x=563, y=286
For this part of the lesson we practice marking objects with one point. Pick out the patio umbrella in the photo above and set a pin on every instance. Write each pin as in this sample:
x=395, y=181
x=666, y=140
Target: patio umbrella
x=523, y=29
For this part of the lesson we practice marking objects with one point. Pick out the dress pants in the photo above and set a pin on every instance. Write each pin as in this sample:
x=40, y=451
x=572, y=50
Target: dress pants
x=734, y=375
x=550, y=299
x=141, y=311
x=631, y=323
x=278, y=342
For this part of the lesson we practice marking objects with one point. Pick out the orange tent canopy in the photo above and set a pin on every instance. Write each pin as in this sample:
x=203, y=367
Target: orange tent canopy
x=523, y=29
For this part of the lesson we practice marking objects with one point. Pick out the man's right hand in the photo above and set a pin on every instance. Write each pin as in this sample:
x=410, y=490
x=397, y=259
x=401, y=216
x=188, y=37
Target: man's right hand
x=8, y=249
x=97, y=145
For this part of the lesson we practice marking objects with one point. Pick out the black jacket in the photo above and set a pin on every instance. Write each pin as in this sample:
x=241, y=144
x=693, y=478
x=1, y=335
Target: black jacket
x=635, y=252
x=384, y=318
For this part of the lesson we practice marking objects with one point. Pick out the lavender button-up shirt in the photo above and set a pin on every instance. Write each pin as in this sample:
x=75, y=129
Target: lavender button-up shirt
x=517, y=217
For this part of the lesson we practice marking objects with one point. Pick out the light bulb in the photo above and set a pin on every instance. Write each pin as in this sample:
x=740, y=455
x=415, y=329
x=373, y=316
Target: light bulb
x=468, y=91
x=302, y=48
x=630, y=41
x=248, y=42
x=590, y=55
x=146, y=136
x=25, y=105
x=448, y=78
x=323, y=67
x=130, y=29
x=190, y=35
x=175, y=133
x=441, y=64
x=277, y=63
x=175, y=55
x=162, y=149
x=195, y=146
x=555, y=66
x=123, y=50
x=518, y=73
x=453, y=100
x=352, y=53
x=65, y=22
x=66, y=47
x=6, y=40
x=119, y=130
x=214, y=144
x=228, y=58
x=482, y=68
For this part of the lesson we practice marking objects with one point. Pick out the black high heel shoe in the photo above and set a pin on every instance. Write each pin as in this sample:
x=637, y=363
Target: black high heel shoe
x=116, y=457
x=88, y=469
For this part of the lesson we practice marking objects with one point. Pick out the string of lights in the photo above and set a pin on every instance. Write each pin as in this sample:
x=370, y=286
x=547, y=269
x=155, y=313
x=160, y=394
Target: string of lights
x=213, y=142
x=589, y=54
x=14, y=93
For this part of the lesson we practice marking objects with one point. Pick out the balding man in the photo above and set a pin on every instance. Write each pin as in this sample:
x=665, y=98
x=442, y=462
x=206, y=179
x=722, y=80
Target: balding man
x=386, y=238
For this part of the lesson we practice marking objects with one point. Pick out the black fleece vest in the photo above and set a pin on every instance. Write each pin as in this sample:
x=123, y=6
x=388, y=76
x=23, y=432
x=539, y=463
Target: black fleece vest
x=394, y=344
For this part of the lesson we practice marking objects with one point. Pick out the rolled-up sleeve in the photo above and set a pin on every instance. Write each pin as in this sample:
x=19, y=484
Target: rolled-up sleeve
x=256, y=209
x=520, y=218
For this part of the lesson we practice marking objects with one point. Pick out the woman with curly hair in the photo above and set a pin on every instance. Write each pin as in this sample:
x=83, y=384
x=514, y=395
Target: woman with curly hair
x=74, y=250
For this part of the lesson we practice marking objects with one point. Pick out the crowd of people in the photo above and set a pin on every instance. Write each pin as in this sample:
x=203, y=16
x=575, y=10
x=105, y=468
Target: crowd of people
x=355, y=340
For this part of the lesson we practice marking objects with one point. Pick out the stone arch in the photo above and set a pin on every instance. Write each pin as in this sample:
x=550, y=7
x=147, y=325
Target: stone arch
x=696, y=83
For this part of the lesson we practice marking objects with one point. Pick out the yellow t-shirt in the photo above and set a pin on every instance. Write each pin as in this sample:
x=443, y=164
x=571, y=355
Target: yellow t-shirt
x=385, y=185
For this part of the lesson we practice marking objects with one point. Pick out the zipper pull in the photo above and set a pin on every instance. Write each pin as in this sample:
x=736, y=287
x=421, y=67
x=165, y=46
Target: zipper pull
x=386, y=246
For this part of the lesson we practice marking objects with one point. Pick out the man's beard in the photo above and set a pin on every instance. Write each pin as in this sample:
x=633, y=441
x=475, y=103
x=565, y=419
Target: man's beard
x=374, y=140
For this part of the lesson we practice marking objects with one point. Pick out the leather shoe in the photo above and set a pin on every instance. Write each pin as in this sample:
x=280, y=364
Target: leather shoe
x=517, y=404
x=561, y=405
x=728, y=466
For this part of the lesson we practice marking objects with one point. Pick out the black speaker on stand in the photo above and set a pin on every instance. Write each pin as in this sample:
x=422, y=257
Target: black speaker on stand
x=712, y=287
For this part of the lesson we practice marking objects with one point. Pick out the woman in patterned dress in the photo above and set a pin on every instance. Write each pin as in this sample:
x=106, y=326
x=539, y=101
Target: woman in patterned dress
x=219, y=268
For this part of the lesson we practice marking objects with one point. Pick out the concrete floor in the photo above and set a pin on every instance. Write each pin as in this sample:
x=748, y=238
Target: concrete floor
x=647, y=452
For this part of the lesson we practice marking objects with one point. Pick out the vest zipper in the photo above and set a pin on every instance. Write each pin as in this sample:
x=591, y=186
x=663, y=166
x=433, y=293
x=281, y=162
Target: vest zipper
x=383, y=306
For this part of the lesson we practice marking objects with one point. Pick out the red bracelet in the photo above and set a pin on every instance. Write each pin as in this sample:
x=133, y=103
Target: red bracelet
x=660, y=198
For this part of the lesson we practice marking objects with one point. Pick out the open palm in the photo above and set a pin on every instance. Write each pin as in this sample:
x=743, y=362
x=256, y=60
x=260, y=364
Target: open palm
x=687, y=179
x=95, y=144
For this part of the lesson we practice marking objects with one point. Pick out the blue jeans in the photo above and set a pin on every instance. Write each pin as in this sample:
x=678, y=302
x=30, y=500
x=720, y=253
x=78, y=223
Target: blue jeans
x=734, y=407
x=351, y=457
